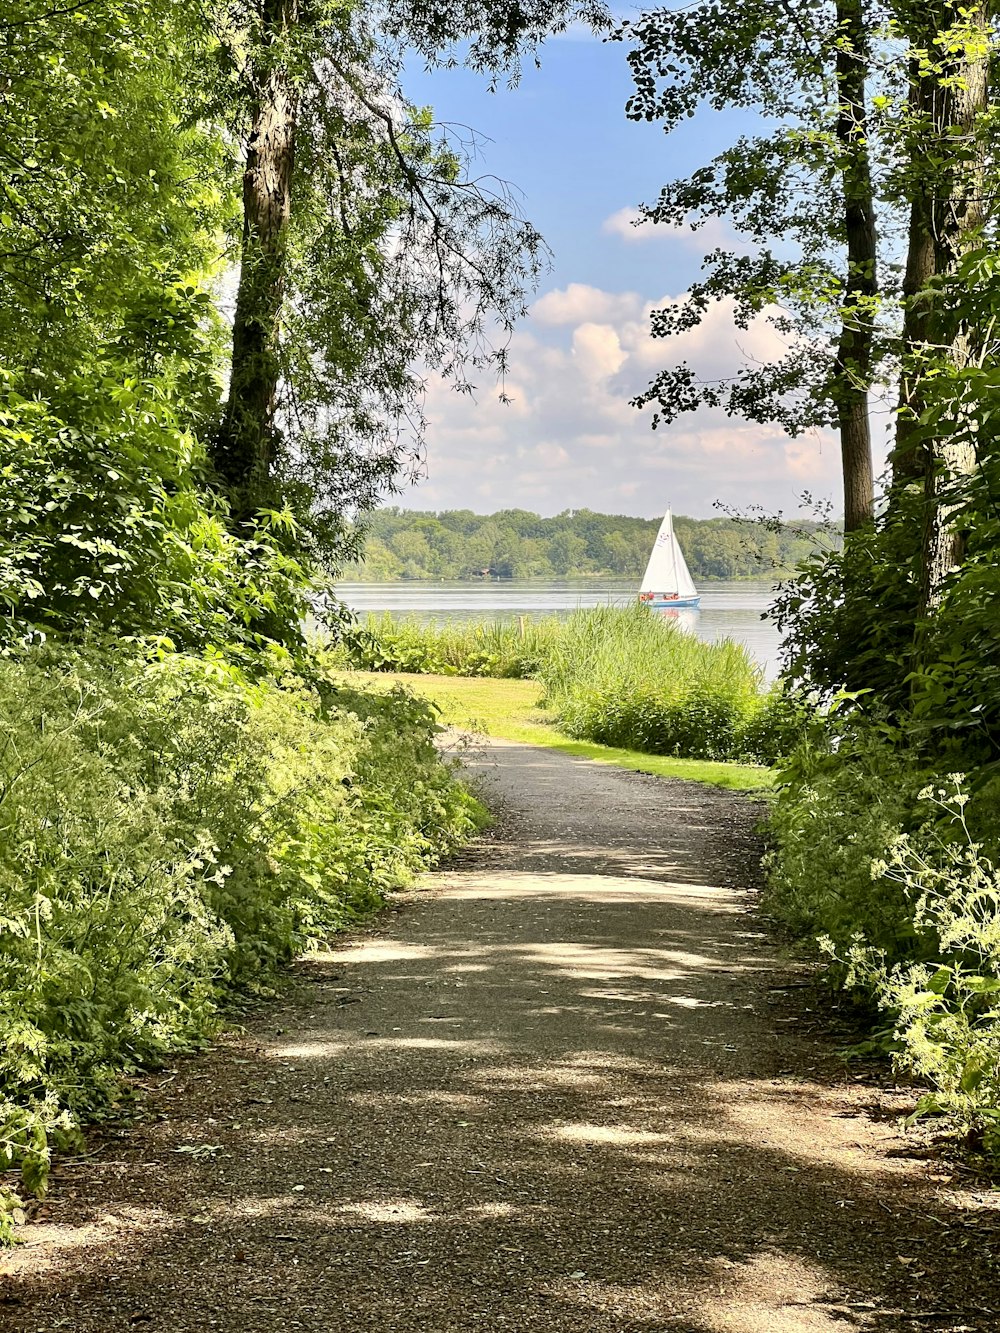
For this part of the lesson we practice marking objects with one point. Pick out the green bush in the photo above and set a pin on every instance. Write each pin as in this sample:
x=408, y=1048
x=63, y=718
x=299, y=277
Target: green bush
x=107, y=527
x=894, y=873
x=776, y=726
x=169, y=831
x=498, y=648
x=944, y=1001
x=844, y=795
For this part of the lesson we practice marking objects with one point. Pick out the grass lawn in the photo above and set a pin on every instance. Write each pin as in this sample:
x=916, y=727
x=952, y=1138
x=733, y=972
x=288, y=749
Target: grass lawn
x=508, y=710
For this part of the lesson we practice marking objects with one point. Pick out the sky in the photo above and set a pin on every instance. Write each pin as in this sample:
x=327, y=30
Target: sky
x=569, y=438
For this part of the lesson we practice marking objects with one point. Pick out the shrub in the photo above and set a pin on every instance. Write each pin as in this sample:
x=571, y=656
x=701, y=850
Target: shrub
x=776, y=726
x=169, y=831
x=501, y=649
x=106, y=527
x=945, y=1005
x=844, y=795
x=894, y=872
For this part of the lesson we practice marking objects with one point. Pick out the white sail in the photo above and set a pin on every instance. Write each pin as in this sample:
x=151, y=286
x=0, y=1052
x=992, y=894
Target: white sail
x=667, y=572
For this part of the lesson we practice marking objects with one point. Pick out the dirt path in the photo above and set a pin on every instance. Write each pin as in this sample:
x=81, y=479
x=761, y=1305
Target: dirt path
x=558, y=1092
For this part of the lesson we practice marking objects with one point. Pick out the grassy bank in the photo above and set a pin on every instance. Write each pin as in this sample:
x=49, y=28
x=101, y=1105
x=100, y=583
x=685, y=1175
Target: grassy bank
x=510, y=710
x=621, y=677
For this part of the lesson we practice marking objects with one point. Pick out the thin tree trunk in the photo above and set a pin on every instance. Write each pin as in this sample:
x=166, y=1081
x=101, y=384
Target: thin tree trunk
x=245, y=447
x=948, y=96
x=854, y=351
x=909, y=462
x=960, y=221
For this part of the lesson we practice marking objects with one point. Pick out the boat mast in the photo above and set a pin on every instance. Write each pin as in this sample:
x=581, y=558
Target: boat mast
x=674, y=581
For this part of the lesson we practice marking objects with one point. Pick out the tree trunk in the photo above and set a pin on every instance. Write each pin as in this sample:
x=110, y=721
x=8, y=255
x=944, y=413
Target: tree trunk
x=949, y=94
x=957, y=227
x=909, y=462
x=854, y=350
x=246, y=444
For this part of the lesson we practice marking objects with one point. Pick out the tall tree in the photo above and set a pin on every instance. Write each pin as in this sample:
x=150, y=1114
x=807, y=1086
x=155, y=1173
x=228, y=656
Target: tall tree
x=805, y=183
x=852, y=373
x=349, y=191
x=245, y=446
x=904, y=615
x=115, y=193
x=946, y=138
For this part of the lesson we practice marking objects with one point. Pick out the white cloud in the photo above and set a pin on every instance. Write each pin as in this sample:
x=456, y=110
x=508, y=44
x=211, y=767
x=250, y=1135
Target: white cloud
x=570, y=438
x=578, y=302
x=713, y=234
x=597, y=350
x=624, y=225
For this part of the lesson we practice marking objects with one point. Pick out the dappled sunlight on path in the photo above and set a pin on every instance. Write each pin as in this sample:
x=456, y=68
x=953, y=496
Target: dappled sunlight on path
x=553, y=1094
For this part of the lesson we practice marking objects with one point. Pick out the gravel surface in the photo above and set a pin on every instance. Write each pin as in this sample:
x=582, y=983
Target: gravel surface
x=569, y=1086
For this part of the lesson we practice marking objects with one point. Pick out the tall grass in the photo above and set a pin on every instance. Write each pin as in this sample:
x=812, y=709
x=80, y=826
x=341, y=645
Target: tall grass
x=625, y=677
x=506, y=649
x=620, y=676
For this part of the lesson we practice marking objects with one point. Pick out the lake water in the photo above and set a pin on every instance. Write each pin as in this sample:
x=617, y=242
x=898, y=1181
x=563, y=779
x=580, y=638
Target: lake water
x=728, y=610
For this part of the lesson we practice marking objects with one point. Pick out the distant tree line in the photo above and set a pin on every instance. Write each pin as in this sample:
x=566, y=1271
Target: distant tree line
x=513, y=543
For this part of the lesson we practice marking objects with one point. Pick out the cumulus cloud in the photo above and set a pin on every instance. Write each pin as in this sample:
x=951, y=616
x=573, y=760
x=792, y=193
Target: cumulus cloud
x=597, y=350
x=625, y=225
x=570, y=438
x=579, y=303
x=714, y=234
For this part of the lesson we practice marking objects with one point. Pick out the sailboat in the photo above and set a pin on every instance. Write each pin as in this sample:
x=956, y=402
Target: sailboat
x=666, y=582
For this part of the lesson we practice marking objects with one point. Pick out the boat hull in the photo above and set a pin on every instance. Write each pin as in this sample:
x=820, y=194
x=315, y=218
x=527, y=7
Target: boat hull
x=667, y=603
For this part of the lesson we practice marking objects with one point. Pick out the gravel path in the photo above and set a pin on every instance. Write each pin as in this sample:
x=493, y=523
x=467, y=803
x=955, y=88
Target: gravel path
x=568, y=1087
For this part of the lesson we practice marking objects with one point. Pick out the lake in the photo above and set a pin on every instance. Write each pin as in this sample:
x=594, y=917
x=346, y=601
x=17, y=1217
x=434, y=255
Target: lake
x=728, y=610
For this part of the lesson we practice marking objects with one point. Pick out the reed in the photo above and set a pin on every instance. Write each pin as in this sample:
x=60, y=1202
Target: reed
x=507, y=649
x=623, y=676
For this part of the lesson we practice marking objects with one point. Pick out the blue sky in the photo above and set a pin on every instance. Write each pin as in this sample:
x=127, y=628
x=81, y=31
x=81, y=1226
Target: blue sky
x=562, y=138
x=570, y=439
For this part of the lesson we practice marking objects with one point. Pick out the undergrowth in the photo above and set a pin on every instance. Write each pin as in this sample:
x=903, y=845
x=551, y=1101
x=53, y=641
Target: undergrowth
x=504, y=649
x=170, y=832
x=894, y=872
x=624, y=677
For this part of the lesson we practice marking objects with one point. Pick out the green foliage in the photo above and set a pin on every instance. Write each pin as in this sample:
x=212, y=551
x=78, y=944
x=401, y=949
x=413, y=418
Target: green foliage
x=945, y=1002
x=112, y=220
x=774, y=727
x=502, y=649
x=853, y=619
x=169, y=831
x=114, y=186
x=778, y=187
x=383, y=252
x=104, y=526
x=623, y=677
x=917, y=937
x=844, y=795
x=894, y=872
x=848, y=617
x=457, y=544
